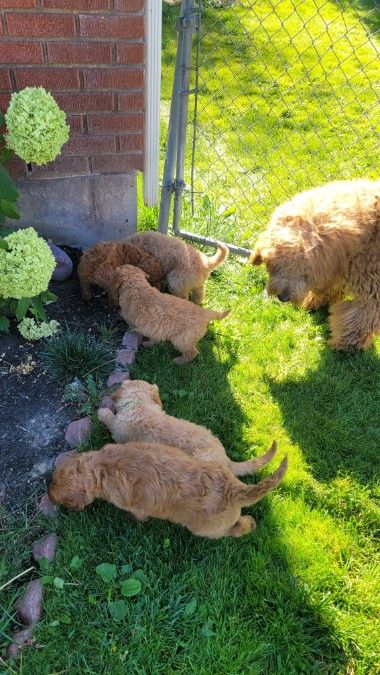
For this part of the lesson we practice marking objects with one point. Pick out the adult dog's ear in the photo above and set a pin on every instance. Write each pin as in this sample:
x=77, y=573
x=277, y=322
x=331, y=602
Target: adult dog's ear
x=255, y=258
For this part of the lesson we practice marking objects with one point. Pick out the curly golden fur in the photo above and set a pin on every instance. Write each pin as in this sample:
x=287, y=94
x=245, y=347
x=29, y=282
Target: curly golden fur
x=155, y=480
x=139, y=417
x=186, y=269
x=97, y=266
x=160, y=316
x=324, y=245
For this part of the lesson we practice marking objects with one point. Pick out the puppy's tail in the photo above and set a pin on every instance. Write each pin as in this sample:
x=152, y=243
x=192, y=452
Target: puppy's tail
x=252, y=465
x=213, y=315
x=245, y=495
x=219, y=257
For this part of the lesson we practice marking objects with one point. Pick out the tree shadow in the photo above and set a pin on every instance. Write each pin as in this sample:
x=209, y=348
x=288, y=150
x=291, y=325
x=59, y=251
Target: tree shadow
x=332, y=414
x=366, y=11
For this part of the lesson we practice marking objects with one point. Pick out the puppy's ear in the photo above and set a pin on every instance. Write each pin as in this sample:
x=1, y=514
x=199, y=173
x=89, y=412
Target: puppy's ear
x=156, y=394
x=255, y=258
x=118, y=277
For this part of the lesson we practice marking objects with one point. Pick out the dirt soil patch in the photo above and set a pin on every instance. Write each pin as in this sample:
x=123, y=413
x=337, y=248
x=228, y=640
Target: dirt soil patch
x=33, y=417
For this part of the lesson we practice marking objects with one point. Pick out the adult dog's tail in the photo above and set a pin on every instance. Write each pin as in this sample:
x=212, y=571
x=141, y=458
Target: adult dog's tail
x=219, y=257
x=252, y=465
x=214, y=314
x=245, y=495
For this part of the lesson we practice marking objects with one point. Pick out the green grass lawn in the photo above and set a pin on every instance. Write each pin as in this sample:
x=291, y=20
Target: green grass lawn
x=301, y=594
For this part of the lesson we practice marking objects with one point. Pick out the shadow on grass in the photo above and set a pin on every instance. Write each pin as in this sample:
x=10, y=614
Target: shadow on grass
x=367, y=12
x=332, y=414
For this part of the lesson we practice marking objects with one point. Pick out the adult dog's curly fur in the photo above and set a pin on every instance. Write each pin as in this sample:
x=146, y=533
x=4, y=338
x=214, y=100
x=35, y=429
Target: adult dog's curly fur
x=186, y=269
x=160, y=316
x=140, y=417
x=97, y=266
x=324, y=245
x=149, y=479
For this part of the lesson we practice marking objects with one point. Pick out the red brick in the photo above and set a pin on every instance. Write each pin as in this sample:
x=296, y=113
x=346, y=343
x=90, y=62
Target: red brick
x=81, y=103
x=79, y=52
x=131, y=102
x=130, y=53
x=75, y=123
x=5, y=80
x=62, y=166
x=81, y=144
x=111, y=26
x=116, y=163
x=76, y=4
x=17, y=4
x=131, y=142
x=50, y=78
x=130, y=5
x=41, y=25
x=4, y=101
x=21, y=52
x=111, y=78
x=117, y=122
x=17, y=168
x=1, y=25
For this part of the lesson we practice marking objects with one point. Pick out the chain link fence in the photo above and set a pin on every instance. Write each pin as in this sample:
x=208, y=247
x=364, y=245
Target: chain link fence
x=281, y=96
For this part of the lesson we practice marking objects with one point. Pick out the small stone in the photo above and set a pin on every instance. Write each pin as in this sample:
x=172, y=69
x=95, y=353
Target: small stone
x=62, y=457
x=42, y=468
x=107, y=402
x=29, y=607
x=78, y=431
x=47, y=507
x=117, y=378
x=132, y=341
x=45, y=548
x=64, y=265
x=124, y=358
x=22, y=638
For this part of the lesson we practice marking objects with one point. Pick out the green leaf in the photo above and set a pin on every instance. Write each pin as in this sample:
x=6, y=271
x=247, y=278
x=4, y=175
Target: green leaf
x=118, y=610
x=126, y=569
x=65, y=618
x=92, y=600
x=44, y=564
x=107, y=572
x=9, y=210
x=47, y=297
x=47, y=580
x=4, y=324
x=5, y=155
x=130, y=587
x=37, y=308
x=2, y=119
x=4, y=245
x=8, y=189
x=190, y=608
x=58, y=582
x=76, y=562
x=140, y=574
x=207, y=630
x=22, y=308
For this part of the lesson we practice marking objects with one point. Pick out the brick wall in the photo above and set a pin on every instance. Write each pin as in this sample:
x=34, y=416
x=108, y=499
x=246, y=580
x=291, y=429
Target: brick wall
x=90, y=55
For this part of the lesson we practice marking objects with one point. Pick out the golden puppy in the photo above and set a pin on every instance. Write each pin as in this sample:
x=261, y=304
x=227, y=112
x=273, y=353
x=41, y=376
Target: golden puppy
x=149, y=479
x=97, y=266
x=186, y=269
x=160, y=316
x=323, y=245
x=140, y=417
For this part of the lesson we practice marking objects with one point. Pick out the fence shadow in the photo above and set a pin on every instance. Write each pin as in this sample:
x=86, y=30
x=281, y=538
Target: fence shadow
x=332, y=413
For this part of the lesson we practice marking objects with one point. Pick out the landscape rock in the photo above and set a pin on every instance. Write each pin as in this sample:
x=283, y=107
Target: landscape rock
x=117, y=378
x=42, y=468
x=45, y=547
x=78, y=431
x=124, y=358
x=62, y=457
x=64, y=265
x=47, y=507
x=22, y=638
x=107, y=402
x=29, y=606
x=132, y=341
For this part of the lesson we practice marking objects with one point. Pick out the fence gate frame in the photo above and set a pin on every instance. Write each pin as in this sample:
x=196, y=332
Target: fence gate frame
x=173, y=182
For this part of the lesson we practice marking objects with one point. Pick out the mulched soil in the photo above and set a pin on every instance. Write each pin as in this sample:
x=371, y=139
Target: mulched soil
x=33, y=418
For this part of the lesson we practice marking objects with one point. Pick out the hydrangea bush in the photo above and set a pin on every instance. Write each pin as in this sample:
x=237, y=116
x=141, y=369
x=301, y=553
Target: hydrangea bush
x=36, y=126
x=26, y=264
x=30, y=329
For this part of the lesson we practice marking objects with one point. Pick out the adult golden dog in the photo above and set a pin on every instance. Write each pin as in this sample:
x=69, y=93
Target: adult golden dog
x=155, y=480
x=160, y=316
x=323, y=248
x=98, y=264
x=186, y=269
x=139, y=417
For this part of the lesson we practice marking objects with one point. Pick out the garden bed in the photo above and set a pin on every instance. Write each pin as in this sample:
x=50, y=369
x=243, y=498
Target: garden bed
x=33, y=414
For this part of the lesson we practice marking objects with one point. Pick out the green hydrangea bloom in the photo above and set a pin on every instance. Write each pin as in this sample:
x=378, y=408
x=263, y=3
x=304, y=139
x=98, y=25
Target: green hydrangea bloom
x=26, y=268
x=36, y=126
x=31, y=330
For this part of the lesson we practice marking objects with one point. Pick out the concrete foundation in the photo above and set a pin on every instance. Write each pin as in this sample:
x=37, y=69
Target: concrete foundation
x=79, y=210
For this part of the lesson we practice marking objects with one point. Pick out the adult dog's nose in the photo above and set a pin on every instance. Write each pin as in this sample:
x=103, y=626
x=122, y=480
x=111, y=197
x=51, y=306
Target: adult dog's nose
x=284, y=296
